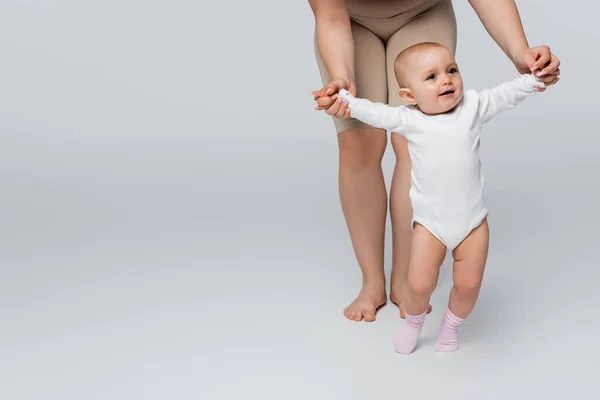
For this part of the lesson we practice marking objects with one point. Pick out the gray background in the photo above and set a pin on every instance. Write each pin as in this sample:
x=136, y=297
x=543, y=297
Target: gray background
x=171, y=229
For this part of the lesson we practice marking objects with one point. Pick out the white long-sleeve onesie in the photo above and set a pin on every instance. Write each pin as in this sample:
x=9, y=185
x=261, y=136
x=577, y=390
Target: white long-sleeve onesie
x=448, y=186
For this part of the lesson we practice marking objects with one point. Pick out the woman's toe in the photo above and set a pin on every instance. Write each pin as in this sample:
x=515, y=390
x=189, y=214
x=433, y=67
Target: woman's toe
x=369, y=316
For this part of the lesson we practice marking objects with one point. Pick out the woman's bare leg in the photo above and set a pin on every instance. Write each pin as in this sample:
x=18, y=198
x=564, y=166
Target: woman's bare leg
x=364, y=203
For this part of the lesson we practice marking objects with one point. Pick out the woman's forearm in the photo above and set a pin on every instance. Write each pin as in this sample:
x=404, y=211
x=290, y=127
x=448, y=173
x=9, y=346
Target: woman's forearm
x=336, y=47
x=334, y=38
x=502, y=21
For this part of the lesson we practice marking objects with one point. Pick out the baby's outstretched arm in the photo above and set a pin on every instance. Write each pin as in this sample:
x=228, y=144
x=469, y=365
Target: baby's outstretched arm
x=378, y=115
x=506, y=95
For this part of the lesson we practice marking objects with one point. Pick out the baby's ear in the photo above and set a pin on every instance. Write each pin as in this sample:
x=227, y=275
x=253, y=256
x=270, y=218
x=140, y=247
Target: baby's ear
x=406, y=95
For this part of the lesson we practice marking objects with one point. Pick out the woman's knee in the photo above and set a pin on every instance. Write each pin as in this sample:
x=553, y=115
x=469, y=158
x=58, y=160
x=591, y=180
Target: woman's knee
x=361, y=148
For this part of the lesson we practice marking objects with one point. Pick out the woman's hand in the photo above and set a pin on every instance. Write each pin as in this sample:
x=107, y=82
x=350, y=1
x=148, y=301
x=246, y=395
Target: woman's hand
x=327, y=98
x=539, y=61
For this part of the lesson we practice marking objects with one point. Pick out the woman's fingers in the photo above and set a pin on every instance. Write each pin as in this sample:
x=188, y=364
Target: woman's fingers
x=549, y=81
x=553, y=81
x=550, y=77
x=346, y=110
x=331, y=111
x=325, y=101
x=552, y=67
x=543, y=57
x=335, y=106
x=318, y=93
x=343, y=108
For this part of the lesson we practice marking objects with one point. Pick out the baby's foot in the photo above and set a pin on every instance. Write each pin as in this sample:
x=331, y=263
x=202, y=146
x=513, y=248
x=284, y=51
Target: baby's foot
x=408, y=336
x=448, y=337
x=400, y=305
x=366, y=304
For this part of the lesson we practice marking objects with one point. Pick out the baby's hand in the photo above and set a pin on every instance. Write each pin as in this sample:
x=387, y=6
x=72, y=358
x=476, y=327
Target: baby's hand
x=328, y=98
x=345, y=97
x=539, y=84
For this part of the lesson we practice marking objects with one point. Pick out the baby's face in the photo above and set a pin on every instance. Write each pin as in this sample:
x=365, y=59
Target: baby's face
x=434, y=80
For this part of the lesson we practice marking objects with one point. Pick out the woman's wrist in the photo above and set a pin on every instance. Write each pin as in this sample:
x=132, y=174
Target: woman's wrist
x=349, y=81
x=347, y=77
x=516, y=53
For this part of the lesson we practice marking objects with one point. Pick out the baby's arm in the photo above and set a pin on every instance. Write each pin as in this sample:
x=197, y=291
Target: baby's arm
x=378, y=115
x=506, y=95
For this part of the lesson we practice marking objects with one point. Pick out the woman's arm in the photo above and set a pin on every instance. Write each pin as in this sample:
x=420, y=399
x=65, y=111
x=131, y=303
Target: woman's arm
x=334, y=37
x=502, y=21
x=336, y=47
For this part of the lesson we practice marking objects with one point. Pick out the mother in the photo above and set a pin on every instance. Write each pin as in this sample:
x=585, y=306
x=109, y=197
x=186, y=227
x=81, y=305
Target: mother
x=356, y=43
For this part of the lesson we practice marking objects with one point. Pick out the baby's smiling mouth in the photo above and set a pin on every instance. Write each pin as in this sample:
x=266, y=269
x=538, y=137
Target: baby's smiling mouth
x=447, y=92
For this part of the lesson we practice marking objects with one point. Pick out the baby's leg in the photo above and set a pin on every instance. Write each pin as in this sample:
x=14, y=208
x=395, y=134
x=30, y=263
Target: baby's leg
x=469, y=263
x=426, y=255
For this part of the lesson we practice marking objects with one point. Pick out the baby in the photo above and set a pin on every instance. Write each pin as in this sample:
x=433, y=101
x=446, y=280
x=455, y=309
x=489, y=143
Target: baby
x=442, y=125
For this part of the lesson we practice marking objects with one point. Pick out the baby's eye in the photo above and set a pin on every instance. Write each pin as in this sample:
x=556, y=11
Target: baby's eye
x=432, y=76
x=453, y=70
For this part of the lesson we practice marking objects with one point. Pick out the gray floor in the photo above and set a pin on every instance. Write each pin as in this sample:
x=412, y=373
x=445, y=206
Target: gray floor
x=169, y=234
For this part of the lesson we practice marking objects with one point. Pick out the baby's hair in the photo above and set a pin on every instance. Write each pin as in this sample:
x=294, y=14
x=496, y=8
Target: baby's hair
x=401, y=60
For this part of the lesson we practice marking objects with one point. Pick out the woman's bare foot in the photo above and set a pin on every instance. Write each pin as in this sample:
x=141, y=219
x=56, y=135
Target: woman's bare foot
x=369, y=300
x=400, y=305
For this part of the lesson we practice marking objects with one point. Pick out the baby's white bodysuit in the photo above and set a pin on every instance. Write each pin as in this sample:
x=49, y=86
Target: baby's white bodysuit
x=448, y=186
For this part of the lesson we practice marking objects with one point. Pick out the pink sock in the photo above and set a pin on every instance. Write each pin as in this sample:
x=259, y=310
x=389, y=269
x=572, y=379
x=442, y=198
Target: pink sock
x=448, y=337
x=408, y=336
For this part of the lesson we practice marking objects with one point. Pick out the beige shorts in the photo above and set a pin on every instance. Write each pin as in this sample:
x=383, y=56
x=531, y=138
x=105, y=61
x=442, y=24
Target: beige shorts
x=379, y=40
